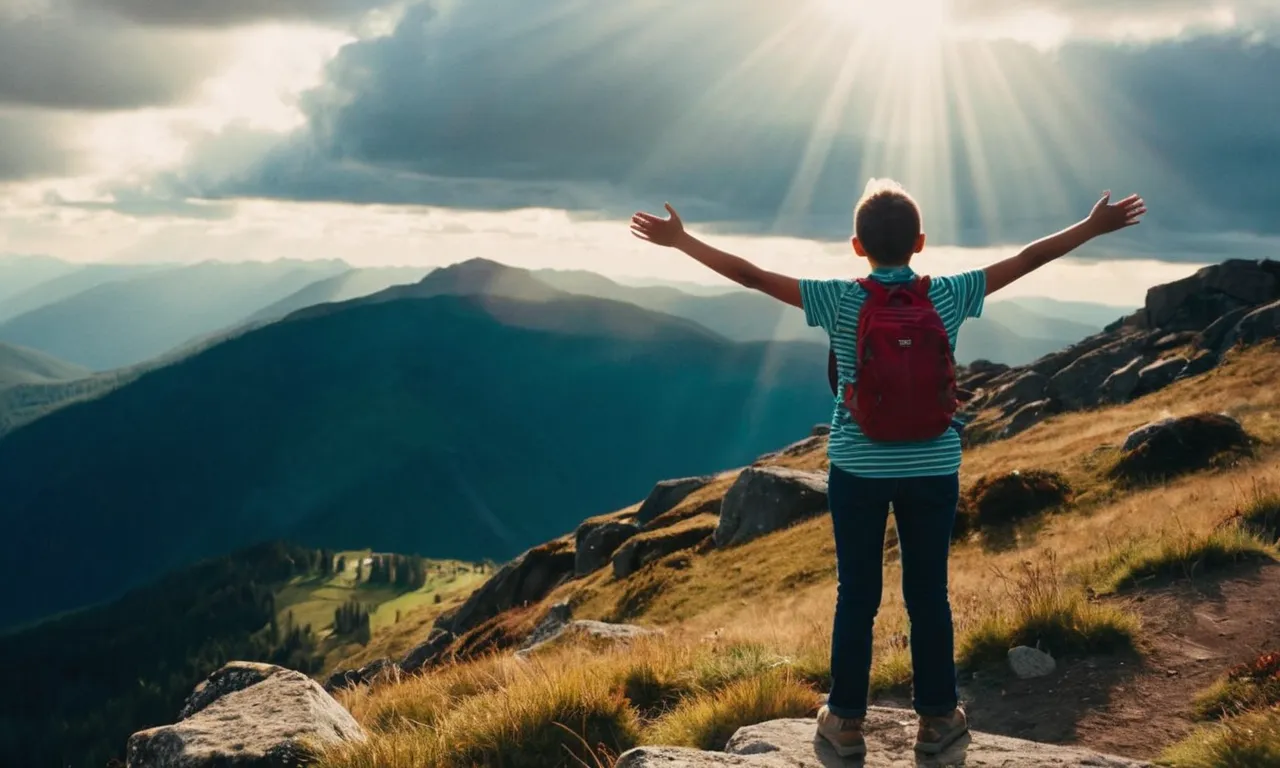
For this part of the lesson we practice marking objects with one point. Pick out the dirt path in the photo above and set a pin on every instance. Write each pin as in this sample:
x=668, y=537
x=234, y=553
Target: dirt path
x=1136, y=706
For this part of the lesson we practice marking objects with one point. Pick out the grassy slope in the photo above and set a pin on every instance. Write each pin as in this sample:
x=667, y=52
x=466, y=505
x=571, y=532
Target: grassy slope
x=775, y=594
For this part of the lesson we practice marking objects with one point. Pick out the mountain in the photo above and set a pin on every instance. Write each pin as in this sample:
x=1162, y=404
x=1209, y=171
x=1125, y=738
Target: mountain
x=26, y=366
x=347, y=285
x=456, y=426
x=131, y=319
x=19, y=273
x=1096, y=316
x=69, y=281
x=749, y=316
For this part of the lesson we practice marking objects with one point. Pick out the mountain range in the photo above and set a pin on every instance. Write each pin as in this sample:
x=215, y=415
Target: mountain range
x=462, y=421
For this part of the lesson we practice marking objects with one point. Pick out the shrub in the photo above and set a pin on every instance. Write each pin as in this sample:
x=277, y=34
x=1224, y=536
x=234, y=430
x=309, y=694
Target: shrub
x=1012, y=497
x=1246, y=687
x=1251, y=741
x=1044, y=613
x=1185, y=555
x=707, y=721
x=1185, y=445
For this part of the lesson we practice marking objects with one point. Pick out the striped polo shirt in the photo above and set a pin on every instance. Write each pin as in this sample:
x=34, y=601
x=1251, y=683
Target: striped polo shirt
x=834, y=305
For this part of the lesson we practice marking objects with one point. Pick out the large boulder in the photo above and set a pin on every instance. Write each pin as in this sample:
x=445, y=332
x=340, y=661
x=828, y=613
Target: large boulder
x=552, y=624
x=598, y=540
x=1079, y=384
x=668, y=493
x=589, y=631
x=526, y=579
x=1201, y=362
x=890, y=737
x=655, y=545
x=1176, y=446
x=1117, y=387
x=1195, y=302
x=1027, y=417
x=1159, y=375
x=247, y=716
x=1027, y=388
x=1218, y=334
x=373, y=672
x=429, y=651
x=1262, y=323
x=765, y=499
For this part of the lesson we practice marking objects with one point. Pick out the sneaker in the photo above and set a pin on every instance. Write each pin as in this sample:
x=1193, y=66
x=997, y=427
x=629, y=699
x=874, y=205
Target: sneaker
x=844, y=733
x=938, y=733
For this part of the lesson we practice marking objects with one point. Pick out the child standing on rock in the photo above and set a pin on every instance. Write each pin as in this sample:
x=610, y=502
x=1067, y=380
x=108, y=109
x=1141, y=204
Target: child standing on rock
x=893, y=335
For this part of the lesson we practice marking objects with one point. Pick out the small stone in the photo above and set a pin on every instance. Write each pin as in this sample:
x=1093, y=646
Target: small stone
x=1028, y=663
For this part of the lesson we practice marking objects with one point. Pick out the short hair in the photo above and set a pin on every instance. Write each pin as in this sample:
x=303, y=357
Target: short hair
x=887, y=222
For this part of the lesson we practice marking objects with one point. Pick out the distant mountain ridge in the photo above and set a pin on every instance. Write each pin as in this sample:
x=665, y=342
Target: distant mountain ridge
x=471, y=425
x=19, y=365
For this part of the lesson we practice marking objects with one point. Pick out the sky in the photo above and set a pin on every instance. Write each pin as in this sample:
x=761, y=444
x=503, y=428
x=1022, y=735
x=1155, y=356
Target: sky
x=430, y=131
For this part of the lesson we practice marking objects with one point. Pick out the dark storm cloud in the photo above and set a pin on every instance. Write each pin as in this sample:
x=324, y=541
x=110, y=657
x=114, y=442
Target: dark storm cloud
x=225, y=13
x=33, y=144
x=57, y=60
x=494, y=106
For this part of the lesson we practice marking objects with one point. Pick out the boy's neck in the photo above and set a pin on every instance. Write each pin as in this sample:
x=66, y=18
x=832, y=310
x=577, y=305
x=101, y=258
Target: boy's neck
x=885, y=270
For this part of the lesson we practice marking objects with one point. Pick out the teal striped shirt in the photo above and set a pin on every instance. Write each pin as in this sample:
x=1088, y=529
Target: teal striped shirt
x=833, y=305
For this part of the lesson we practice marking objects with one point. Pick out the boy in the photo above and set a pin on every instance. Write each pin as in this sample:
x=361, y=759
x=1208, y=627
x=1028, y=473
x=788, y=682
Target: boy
x=913, y=461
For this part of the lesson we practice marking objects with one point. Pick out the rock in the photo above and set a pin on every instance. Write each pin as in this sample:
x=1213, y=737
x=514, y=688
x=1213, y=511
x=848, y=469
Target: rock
x=890, y=740
x=557, y=618
x=1008, y=498
x=1027, y=417
x=374, y=671
x=1051, y=364
x=1140, y=435
x=428, y=652
x=667, y=494
x=1117, y=387
x=1260, y=324
x=248, y=716
x=654, y=545
x=598, y=631
x=1182, y=445
x=526, y=579
x=1215, y=336
x=1195, y=302
x=1167, y=341
x=597, y=541
x=1078, y=385
x=765, y=499
x=1204, y=361
x=821, y=430
x=1027, y=388
x=1159, y=375
x=1028, y=663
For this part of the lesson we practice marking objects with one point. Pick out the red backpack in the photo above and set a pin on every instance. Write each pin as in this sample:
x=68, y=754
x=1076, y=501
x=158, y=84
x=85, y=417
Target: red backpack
x=906, y=389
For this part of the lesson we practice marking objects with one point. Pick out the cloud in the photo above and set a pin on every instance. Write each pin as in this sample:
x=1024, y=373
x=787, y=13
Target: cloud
x=85, y=61
x=34, y=144
x=226, y=13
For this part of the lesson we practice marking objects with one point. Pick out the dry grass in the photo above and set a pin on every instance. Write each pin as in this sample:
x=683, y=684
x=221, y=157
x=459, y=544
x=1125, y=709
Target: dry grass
x=1183, y=554
x=709, y=720
x=752, y=626
x=1251, y=741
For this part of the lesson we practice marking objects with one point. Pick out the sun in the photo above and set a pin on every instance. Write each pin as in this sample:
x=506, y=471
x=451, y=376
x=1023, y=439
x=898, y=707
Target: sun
x=893, y=22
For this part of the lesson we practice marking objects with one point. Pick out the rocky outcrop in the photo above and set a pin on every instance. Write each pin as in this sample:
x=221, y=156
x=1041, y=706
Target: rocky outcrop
x=655, y=545
x=667, y=494
x=890, y=738
x=1184, y=330
x=592, y=631
x=248, y=716
x=552, y=624
x=526, y=579
x=598, y=540
x=373, y=672
x=765, y=499
x=429, y=651
x=1175, y=446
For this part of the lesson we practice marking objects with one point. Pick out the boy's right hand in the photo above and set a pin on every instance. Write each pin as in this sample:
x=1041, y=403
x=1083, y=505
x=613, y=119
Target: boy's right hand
x=1109, y=217
x=665, y=232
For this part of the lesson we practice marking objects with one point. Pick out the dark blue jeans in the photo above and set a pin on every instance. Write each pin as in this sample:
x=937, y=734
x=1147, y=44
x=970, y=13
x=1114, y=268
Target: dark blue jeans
x=925, y=511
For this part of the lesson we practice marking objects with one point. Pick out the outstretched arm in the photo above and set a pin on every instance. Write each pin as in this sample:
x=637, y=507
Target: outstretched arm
x=670, y=233
x=1106, y=217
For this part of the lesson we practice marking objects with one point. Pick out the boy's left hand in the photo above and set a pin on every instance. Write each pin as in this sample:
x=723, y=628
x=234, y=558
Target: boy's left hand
x=666, y=232
x=1109, y=217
